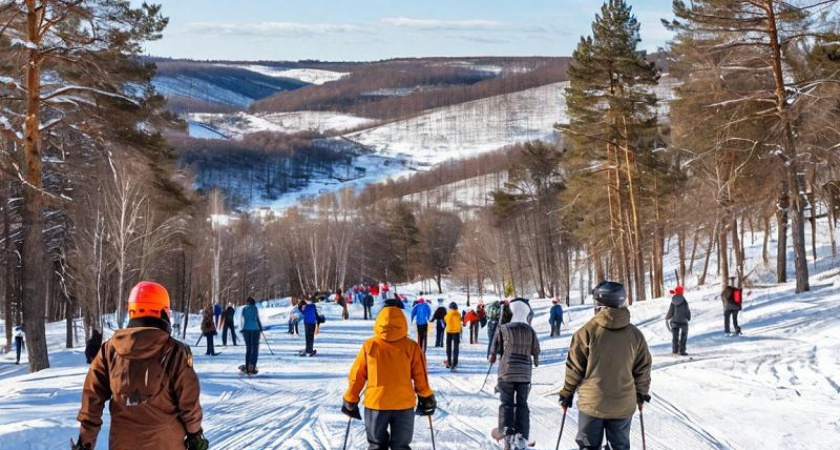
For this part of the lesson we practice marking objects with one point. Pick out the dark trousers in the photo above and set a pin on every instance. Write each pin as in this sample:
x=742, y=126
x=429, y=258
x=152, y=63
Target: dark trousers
x=453, y=341
x=555, y=327
x=400, y=423
x=591, y=432
x=491, y=333
x=441, y=328
x=474, y=327
x=368, y=313
x=18, y=348
x=310, y=337
x=680, y=337
x=252, y=347
x=422, y=335
x=734, y=314
x=514, y=415
x=228, y=327
x=211, y=350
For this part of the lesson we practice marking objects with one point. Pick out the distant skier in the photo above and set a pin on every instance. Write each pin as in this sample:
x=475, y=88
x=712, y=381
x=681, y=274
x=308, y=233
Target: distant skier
x=251, y=330
x=391, y=368
x=93, y=345
x=217, y=315
x=609, y=365
x=20, y=334
x=228, y=324
x=421, y=313
x=677, y=320
x=555, y=317
x=494, y=314
x=208, y=330
x=310, y=323
x=368, y=301
x=341, y=301
x=148, y=378
x=472, y=320
x=519, y=346
x=453, y=336
x=294, y=317
x=732, y=303
x=439, y=318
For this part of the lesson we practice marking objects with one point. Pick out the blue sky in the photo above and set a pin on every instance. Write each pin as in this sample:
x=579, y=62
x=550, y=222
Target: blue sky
x=378, y=29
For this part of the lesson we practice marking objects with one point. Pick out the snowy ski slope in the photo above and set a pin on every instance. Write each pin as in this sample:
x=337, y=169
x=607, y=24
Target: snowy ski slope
x=777, y=387
x=311, y=76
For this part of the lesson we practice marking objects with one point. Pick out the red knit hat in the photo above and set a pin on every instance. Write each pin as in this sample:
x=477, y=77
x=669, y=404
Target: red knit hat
x=679, y=290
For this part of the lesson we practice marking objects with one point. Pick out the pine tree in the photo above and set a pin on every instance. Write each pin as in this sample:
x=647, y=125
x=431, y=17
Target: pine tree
x=612, y=119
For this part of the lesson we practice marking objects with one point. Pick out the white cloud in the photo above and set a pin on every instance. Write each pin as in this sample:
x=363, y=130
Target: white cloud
x=444, y=25
x=271, y=29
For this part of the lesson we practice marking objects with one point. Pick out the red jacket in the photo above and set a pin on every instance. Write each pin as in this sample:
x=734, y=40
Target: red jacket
x=471, y=317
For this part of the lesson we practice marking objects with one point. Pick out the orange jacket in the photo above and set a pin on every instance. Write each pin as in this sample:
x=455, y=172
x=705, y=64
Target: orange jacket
x=471, y=317
x=453, y=321
x=388, y=363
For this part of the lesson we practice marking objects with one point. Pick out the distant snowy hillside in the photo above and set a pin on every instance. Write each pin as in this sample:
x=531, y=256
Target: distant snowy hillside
x=311, y=76
x=195, y=89
x=236, y=125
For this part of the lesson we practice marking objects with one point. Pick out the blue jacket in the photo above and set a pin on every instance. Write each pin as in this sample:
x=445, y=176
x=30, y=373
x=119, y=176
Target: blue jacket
x=555, y=314
x=310, y=314
x=217, y=310
x=421, y=312
x=251, y=318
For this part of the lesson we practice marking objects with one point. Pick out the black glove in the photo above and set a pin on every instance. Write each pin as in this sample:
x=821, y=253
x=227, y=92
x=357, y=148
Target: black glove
x=426, y=406
x=351, y=410
x=79, y=445
x=642, y=398
x=566, y=400
x=196, y=441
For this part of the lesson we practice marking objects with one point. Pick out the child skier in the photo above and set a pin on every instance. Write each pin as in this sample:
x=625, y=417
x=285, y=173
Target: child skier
x=251, y=330
x=310, y=323
x=494, y=314
x=208, y=330
x=519, y=346
x=440, y=323
x=392, y=370
x=677, y=320
x=453, y=336
x=609, y=365
x=421, y=313
x=148, y=378
x=555, y=317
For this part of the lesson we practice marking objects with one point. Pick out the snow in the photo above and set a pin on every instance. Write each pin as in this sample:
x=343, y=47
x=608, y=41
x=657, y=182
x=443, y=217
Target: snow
x=237, y=125
x=311, y=76
x=776, y=387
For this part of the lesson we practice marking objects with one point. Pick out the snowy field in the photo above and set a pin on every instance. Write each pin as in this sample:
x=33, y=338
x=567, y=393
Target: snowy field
x=237, y=125
x=311, y=76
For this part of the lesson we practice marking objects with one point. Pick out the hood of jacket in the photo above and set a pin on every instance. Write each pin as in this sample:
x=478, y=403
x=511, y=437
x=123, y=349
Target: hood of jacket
x=613, y=318
x=677, y=300
x=139, y=343
x=390, y=324
x=520, y=311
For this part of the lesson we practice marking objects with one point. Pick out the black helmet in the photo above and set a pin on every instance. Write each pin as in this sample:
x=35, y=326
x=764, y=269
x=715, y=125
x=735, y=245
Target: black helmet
x=609, y=294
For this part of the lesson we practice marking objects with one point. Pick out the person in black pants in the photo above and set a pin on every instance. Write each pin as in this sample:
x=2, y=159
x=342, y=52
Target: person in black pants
x=208, y=329
x=19, y=345
x=227, y=319
x=732, y=300
x=310, y=322
x=677, y=320
x=368, y=304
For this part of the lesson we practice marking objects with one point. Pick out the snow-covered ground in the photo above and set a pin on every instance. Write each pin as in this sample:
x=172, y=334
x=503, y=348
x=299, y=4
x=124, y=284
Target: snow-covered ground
x=311, y=76
x=236, y=125
x=777, y=387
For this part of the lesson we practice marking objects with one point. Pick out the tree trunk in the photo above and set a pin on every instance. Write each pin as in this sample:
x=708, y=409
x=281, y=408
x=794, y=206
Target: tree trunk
x=765, y=253
x=739, y=253
x=6, y=269
x=694, y=245
x=709, y=249
x=723, y=253
x=69, y=309
x=781, y=233
x=681, y=244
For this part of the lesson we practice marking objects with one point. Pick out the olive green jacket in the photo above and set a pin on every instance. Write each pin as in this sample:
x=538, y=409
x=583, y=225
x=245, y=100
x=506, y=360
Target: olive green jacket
x=608, y=364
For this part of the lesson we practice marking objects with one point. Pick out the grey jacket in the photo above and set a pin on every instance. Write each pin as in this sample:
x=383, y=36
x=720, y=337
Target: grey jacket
x=678, y=312
x=520, y=349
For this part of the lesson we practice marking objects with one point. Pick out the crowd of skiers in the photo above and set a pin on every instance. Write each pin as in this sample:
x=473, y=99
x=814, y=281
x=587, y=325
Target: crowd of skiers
x=148, y=376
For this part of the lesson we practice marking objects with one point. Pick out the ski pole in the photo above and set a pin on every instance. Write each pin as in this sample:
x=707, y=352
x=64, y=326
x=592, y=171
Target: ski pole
x=266, y=343
x=347, y=433
x=642, y=422
x=432, y=431
x=486, y=377
x=562, y=425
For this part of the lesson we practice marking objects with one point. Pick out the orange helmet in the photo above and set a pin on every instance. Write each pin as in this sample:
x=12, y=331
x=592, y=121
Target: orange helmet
x=148, y=299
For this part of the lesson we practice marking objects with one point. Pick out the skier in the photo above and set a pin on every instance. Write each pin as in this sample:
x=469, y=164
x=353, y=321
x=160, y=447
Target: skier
x=555, y=317
x=677, y=320
x=217, y=314
x=310, y=322
x=251, y=330
x=421, y=313
x=20, y=333
x=392, y=370
x=228, y=324
x=148, y=377
x=453, y=336
x=208, y=329
x=732, y=300
x=294, y=316
x=519, y=346
x=494, y=313
x=609, y=365
x=474, y=322
x=340, y=301
x=92, y=346
x=439, y=318
x=368, y=301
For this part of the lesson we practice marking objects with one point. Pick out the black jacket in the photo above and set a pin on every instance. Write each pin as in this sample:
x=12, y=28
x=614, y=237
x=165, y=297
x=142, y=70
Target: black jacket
x=92, y=346
x=230, y=313
x=678, y=312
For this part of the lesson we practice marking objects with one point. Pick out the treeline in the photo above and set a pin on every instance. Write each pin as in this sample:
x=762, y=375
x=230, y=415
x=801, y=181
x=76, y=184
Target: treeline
x=398, y=89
